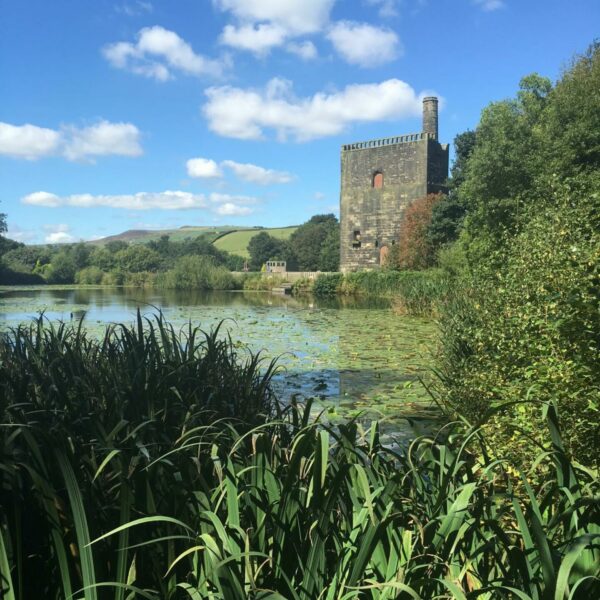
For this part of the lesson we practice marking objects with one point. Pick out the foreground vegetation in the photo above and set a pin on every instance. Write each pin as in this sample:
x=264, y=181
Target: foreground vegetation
x=525, y=322
x=139, y=466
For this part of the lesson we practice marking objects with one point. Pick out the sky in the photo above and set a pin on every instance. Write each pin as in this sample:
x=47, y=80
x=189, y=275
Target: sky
x=155, y=114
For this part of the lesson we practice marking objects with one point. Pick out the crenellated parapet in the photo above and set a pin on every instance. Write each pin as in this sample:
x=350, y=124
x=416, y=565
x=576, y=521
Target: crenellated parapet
x=389, y=141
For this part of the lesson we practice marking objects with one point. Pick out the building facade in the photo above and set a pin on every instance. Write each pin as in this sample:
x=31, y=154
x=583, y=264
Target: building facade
x=379, y=179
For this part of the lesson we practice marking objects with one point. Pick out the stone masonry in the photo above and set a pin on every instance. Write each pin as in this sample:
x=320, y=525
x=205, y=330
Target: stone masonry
x=380, y=178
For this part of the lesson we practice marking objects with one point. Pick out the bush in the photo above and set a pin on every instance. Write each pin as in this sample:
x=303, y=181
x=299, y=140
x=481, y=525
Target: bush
x=197, y=273
x=530, y=332
x=327, y=285
x=89, y=276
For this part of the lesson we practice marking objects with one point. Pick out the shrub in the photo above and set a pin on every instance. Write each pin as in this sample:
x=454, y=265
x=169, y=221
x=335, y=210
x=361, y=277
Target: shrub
x=327, y=285
x=415, y=250
x=197, y=273
x=89, y=276
x=530, y=332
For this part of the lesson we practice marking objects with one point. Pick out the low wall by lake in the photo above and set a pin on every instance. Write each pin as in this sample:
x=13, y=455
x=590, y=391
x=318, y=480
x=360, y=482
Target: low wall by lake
x=288, y=275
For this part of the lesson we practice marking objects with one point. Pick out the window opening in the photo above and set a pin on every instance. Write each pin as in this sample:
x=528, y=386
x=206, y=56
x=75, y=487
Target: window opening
x=378, y=180
x=356, y=239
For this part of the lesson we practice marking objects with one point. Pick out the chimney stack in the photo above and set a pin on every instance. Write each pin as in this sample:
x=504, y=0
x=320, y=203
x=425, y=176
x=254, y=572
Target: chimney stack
x=430, y=116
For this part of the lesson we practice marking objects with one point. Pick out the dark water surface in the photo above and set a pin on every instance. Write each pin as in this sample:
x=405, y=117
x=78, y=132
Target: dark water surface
x=353, y=356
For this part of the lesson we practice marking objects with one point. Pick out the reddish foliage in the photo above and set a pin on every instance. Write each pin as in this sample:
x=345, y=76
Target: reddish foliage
x=414, y=251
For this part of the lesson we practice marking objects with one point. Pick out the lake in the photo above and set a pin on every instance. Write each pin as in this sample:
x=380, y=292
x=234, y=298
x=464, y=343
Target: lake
x=354, y=356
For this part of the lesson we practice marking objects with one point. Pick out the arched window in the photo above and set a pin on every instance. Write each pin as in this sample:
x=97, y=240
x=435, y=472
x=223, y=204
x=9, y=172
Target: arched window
x=378, y=180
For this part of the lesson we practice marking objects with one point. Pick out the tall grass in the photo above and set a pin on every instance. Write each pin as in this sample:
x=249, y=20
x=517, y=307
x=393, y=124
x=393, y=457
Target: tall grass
x=414, y=292
x=137, y=467
x=83, y=424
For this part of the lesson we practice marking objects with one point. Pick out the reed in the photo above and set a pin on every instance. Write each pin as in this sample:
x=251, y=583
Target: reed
x=155, y=464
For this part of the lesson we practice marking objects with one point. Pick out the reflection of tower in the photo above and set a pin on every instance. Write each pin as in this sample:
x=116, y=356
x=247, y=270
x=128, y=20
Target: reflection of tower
x=380, y=178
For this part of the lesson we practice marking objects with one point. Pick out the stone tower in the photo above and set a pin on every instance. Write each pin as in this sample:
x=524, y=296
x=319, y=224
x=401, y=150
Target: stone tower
x=380, y=178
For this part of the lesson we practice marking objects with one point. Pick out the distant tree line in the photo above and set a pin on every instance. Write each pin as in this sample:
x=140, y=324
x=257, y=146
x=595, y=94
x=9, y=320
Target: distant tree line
x=313, y=246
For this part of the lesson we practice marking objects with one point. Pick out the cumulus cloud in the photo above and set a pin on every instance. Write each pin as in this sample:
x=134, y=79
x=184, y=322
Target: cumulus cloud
x=104, y=138
x=58, y=234
x=203, y=168
x=295, y=16
x=489, y=5
x=167, y=200
x=259, y=175
x=231, y=209
x=28, y=141
x=386, y=8
x=262, y=25
x=206, y=168
x=305, y=50
x=158, y=52
x=60, y=237
x=248, y=113
x=363, y=44
x=258, y=39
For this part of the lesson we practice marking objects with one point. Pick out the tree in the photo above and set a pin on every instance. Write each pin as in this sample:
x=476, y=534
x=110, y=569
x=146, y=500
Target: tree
x=447, y=216
x=137, y=258
x=62, y=268
x=329, y=257
x=307, y=242
x=415, y=251
x=263, y=247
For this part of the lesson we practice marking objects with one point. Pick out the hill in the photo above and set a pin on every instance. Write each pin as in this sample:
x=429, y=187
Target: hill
x=236, y=242
x=143, y=236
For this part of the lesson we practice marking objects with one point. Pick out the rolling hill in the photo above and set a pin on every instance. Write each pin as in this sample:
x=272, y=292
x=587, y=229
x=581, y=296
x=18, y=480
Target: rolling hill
x=225, y=237
x=236, y=242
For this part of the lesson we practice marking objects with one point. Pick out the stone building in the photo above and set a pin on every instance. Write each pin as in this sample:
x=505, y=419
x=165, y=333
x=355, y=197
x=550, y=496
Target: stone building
x=380, y=178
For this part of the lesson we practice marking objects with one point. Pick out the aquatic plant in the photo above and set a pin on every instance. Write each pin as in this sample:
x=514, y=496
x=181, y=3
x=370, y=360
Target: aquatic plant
x=139, y=466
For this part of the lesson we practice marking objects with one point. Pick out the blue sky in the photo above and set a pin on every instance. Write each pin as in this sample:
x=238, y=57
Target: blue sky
x=120, y=114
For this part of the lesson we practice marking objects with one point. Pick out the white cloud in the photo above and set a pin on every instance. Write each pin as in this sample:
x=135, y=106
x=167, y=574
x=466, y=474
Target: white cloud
x=217, y=198
x=206, y=168
x=157, y=52
x=133, y=9
x=259, y=175
x=230, y=209
x=305, y=50
x=58, y=234
x=489, y=5
x=247, y=113
x=319, y=196
x=363, y=44
x=104, y=138
x=258, y=39
x=28, y=141
x=295, y=16
x=167, y=200
x=387, y=8
x=60, y=237
x=203, y=168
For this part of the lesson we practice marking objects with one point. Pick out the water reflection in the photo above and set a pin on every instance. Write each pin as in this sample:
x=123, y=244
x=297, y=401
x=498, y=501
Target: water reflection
x=353, y=355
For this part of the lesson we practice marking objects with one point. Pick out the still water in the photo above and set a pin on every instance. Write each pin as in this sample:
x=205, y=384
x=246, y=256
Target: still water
x=355, y=357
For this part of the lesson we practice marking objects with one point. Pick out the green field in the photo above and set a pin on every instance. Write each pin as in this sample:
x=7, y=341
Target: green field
x=237, y=242
x=138, y=236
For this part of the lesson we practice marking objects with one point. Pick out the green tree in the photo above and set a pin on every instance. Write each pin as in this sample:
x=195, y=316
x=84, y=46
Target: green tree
x=447, y=216
x=263, y=247
x=329, y=256
x=137, y=258
x=62, y=268
x=307, y=241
